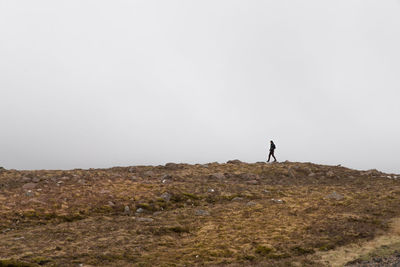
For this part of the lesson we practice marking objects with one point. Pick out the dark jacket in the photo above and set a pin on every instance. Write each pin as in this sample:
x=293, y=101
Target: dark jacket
x=272, y=147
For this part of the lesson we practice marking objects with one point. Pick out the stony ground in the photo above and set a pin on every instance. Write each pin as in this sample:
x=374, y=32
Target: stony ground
x=233, y=214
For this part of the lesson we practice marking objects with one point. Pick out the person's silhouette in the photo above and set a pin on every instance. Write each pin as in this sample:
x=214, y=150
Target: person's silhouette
x=271, y=151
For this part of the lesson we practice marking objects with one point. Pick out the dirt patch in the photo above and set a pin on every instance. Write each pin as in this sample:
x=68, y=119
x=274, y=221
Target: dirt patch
x=382, y=245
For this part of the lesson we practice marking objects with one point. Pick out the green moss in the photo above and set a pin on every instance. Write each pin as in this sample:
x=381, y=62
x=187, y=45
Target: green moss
x=71, y=217
x=179, y=229
x=191, y=196
x=326, y=247
x=263, y=250
x=41, y=260
x=302, y=251
x=15, y=263
x=248, y=257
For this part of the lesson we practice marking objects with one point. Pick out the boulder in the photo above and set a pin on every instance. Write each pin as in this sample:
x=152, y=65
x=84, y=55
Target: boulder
x=29, y=193
x=235, y=161
x=335, y=196
x=277, y=201
x=173, y=166
x=251, y=203
x=127, y=210
x=202, y=213
x=140, y=210
x=166, y=196
x=166, y=178
x=132, y=170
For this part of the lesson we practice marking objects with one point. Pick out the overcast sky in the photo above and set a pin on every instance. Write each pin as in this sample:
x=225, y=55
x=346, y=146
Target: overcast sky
x=113, y=83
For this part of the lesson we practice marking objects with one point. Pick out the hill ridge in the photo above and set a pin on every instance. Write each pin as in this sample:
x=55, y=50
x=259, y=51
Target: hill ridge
x=192, y=214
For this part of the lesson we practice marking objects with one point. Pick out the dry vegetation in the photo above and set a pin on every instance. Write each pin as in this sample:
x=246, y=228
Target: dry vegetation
x=236, y=214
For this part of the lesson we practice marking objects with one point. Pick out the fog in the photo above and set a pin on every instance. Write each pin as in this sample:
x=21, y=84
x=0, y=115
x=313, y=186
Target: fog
x=90, y=84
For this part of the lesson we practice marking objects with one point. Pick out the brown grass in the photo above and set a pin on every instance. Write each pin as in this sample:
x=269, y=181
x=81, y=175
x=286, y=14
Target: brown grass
x=285, y=218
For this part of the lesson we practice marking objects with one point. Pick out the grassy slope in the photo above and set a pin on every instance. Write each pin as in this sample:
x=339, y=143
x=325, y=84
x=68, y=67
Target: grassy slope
x=79, y=216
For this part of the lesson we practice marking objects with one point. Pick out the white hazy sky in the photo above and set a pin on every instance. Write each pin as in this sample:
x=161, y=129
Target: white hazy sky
x=104, y=83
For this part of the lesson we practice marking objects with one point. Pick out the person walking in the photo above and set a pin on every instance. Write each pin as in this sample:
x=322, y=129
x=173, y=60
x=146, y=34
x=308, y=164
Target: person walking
x=271, y=151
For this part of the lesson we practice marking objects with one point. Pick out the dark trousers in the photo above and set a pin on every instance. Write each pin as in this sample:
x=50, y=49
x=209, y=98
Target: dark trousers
x=271, y=153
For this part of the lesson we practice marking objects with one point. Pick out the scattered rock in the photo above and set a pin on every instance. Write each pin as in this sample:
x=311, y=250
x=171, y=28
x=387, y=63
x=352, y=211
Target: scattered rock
x=132, y=170
x=81, y=181
x=277, y=201
x=157, y=213
x=142, y=219
x=373, y=172
x=211, y=190
x=139, y=210
x=166, y=196
x=29, y=186
x=311, y=174
x=29, y=193
x=35, y=180
x=173, y=166
x=127, y=210
x=248, y=176
x=111, y=204
x=266, y=191
x=217, y=176
x=251, y=203
x=235, y=161
x=254, y=182
x=335, y=196
x=166, y=179
x=201, y=213
x=237, y=199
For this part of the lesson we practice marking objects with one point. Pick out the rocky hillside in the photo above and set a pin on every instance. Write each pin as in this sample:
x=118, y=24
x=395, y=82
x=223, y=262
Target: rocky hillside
x=235, y=214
